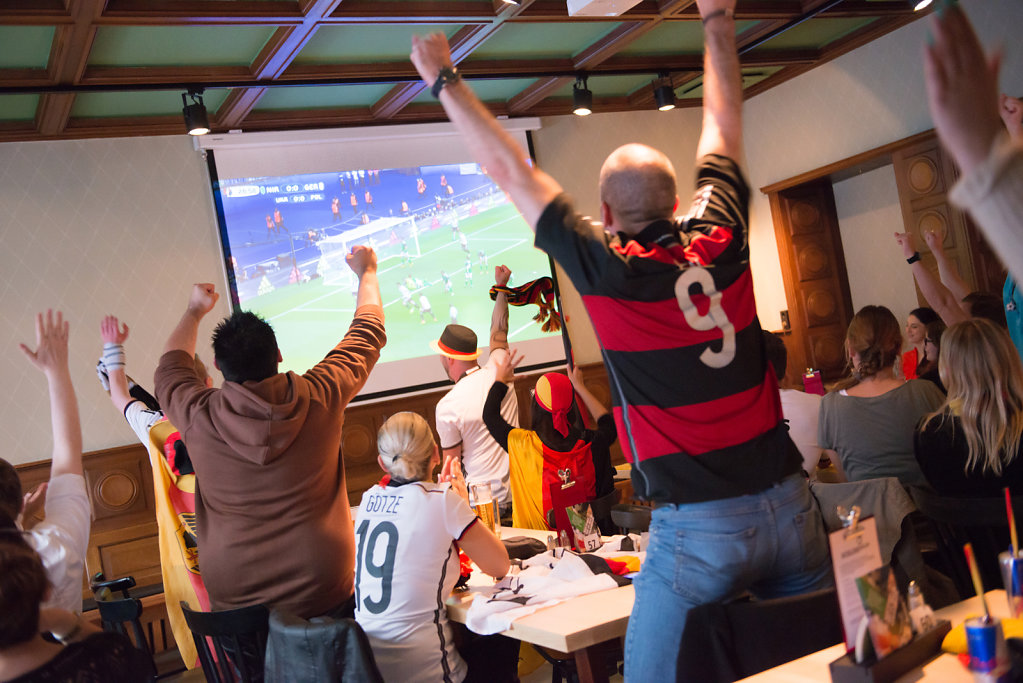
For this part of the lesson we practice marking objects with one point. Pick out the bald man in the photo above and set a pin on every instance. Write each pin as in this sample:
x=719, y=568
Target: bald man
x=672, y=303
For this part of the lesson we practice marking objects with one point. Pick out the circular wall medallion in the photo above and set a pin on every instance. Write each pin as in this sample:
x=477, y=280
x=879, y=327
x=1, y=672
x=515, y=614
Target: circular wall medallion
x=821, y=305
x=804, y=214
x=117, y=489
x=829, y=351
x=812, y=261
x=356, y=440
x=923, y=176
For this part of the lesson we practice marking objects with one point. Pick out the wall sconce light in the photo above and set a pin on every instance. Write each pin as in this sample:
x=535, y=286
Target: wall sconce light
x=582, y=98
x=664, y=96
x=196, y=120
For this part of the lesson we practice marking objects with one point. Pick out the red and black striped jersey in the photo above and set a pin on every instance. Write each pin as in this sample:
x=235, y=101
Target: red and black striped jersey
x=694, y=397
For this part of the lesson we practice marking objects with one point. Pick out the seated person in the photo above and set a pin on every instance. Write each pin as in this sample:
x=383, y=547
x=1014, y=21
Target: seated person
x=408, y=531
x=867, y=423
x=970, y=447
x=83, y=653
x=799, y=408
x=557, y=442
x=932, y=344
x=62, y=538
x=916, y=331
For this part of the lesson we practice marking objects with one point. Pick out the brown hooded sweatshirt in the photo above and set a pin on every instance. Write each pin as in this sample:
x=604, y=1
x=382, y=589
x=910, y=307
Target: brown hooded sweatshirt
x=274, y=524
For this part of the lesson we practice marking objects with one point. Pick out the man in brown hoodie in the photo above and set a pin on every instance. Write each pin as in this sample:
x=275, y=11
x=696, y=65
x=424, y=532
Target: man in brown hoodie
x=272, y=509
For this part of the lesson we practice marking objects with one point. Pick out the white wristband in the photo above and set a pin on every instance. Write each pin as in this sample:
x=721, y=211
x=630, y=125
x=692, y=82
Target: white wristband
x=113, y=356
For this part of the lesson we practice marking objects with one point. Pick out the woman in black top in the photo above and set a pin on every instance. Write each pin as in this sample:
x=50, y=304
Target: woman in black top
x=558, y=435
x=970, y=447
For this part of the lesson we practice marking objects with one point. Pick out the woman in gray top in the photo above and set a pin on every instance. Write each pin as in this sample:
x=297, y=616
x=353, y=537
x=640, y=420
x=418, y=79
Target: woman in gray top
x=866, y=424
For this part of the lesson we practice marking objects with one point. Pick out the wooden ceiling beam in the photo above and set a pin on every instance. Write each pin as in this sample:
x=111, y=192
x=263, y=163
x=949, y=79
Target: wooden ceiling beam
x=24, y=77
x=34, y=13
x=201, y=12
x=272, y=61
x=69, y=54
x=142, y=75
x=536, y=93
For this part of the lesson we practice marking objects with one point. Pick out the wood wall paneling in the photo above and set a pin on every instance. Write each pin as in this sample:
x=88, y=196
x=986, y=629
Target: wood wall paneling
x=119, y=481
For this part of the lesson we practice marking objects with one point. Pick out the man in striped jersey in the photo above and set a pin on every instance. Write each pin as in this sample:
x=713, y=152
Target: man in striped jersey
x=695, y=401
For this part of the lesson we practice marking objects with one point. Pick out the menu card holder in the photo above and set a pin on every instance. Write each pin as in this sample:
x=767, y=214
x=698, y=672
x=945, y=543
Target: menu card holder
x=854, y=552
x=922, y=649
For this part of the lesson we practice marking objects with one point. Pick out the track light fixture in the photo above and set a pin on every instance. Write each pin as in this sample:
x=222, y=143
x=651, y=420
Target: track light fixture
x=919, y=4
x=196, y=120
x=582, y=98
x=664, y=93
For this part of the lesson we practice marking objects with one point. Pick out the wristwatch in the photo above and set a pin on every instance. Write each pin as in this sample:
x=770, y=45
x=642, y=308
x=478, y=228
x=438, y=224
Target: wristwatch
x=446, y=76
x=914, y=258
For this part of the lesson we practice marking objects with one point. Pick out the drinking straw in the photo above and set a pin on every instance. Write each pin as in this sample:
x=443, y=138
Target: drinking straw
x=975, y=575
x=1012, y=523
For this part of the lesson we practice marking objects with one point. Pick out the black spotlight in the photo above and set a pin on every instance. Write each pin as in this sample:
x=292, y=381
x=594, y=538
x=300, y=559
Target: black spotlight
x=582, y=98
x=196, y=120
x=664, y=95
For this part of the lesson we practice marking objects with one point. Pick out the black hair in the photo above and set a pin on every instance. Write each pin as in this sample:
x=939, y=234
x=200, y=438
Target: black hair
x=925, y=315
x=23, y=586
x=543, y=425
x=245, y=348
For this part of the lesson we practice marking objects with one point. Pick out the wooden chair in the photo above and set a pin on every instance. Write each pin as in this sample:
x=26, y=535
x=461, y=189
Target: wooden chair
x=238, y=638
x=123, y=614
x=631, y=518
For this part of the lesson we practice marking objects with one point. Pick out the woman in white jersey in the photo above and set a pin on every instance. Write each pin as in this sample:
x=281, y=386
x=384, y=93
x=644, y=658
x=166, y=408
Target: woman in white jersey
x=407, y=532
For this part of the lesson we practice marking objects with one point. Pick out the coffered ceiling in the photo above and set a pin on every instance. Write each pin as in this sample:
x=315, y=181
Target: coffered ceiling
x=100, y=68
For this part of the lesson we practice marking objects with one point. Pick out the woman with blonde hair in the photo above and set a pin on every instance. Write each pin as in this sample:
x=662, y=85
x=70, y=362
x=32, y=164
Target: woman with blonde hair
x=866, y=425
x=408, y=532
x=970, y=447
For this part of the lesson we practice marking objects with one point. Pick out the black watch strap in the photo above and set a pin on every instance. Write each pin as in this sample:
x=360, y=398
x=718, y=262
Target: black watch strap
x=446, y=76
x=914, y=258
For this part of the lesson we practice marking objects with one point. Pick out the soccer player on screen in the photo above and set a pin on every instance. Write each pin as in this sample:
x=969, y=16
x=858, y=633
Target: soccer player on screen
x=695, y=401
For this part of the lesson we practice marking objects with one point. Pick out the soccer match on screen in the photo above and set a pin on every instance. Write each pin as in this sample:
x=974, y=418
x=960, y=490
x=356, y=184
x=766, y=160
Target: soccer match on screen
x=438, y=232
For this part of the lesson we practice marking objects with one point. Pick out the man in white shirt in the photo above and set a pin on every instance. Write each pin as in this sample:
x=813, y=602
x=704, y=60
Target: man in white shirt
x=463, y=437
x=62, y=538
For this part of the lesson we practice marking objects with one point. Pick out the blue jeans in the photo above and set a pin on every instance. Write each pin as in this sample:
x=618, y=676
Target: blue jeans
x=770, y=543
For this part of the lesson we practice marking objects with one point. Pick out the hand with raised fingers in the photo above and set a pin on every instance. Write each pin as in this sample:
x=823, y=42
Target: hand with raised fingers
x=505, y=366
x=112, y=330
x=962, y=87
x=50, y=354
x=933, y=242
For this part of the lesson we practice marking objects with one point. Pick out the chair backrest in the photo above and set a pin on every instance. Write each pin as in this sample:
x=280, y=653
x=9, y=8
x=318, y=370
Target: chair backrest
x=634, y=518
x=323, y=649
x=238, y=639
x=725, y=642
x=982, y=522
x=121, y=615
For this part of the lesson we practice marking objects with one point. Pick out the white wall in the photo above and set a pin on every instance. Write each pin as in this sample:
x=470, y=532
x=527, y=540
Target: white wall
x=124, y=225
x=868, y=215
x=119, y=226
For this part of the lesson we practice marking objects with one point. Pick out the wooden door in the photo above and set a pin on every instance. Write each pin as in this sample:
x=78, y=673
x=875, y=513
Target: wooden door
x=816, y=283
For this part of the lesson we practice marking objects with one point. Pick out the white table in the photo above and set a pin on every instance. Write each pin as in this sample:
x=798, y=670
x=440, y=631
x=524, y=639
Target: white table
x=578, y=626
x=943, y=668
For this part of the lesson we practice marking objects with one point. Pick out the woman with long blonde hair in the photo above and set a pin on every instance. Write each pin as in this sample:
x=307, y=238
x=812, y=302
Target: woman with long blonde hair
x=970, y=447
x=408, y=532
x=866, y=425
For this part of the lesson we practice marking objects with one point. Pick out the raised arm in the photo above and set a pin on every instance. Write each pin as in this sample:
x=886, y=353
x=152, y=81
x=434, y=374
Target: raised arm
x=363, y=262
x=937, y=295
x=114, y=333
x=499, y=319
x=948, y=273
x=529, y=188
x=51, y=357
x=722, y=82
x=595, y=407
x=962, y=88
x=201, y=302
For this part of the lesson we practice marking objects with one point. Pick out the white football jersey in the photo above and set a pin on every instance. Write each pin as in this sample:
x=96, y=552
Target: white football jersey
x=406, y=565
